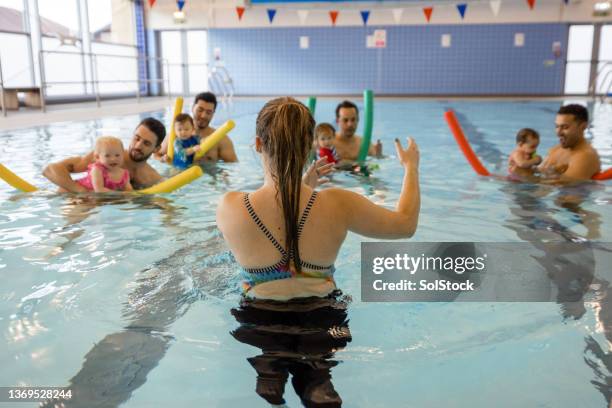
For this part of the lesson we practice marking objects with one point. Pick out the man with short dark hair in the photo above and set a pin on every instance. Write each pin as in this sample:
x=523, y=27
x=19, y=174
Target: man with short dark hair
x=203, y=110
x=147, y=138
x=347, y=143
x=573, y=158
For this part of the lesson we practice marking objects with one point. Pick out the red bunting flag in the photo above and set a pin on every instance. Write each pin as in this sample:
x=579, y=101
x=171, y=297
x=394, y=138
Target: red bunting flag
x=428, y=11
x=333, y=15
x=151, y=3
x=531, y=4
x=240, y=11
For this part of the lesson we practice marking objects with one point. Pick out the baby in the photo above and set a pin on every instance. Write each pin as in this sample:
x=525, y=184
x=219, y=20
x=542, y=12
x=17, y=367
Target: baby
x=186, y=143
x=523, y=159
x=106, y=173
x=324, y=139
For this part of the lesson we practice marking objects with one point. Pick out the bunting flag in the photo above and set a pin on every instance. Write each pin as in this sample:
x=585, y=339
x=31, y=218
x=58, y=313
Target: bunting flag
x=151, y=3
x=364, y=16
x=180, y=4
x=462, y=8
x=397, y=15
x=495, y=6
x=240, y=11
x=271, y=14
x=531, y=3
x=303, y=15
x=333, y=15
x=428, y=11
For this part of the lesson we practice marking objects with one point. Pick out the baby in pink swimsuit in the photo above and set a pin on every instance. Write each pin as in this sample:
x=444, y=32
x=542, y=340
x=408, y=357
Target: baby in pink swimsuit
x=106, y=174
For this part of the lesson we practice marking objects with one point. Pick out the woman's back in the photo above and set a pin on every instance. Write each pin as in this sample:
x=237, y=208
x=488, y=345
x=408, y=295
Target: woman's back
x=285, y=236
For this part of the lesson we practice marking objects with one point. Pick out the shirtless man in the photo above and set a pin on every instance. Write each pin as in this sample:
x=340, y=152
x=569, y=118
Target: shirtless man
x=347, y=144
x=573, y=158
x=147, y=138
x=203, y=110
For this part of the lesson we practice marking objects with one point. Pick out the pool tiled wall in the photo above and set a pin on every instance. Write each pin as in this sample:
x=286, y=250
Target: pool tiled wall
x=482, y=60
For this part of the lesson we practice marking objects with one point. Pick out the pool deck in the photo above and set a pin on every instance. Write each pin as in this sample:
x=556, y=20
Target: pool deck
x=77, y=111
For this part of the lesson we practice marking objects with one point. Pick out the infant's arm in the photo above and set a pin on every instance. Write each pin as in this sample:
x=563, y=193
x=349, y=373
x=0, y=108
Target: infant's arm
x=97, y=181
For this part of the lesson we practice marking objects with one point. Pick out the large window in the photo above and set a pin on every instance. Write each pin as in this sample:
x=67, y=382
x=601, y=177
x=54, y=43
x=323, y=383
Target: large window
x=187, y=56
x=172, y=51
x=59, y=18
x=15, y=57
x=11, y=15
x=116, y=68
x=578, y=68
x=197, y=58
x=15, y=60
x=111, y=21
x=604, y=68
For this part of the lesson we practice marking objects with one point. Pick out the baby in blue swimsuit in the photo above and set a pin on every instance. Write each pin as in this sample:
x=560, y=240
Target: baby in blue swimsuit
x=186, y=143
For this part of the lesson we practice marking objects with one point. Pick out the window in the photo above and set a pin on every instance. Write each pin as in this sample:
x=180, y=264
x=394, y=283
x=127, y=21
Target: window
x=604, y=68
x=111, y=21
x=578, y=68
x=11, y=15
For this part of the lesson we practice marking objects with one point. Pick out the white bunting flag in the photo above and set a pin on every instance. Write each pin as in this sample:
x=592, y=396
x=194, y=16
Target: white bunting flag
x=397, y=15
x=302, y=15
x=495, y=6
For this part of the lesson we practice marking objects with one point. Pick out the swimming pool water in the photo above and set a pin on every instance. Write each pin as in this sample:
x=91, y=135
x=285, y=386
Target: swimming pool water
x=134, y=293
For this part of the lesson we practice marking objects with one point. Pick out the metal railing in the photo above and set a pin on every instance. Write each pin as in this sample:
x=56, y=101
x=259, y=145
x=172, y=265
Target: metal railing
x=220, y=82
x=94, y=74
x=593, y=88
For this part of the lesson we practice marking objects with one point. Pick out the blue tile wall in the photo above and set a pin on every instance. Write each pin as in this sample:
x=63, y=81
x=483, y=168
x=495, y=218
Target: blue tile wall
x=482, y=60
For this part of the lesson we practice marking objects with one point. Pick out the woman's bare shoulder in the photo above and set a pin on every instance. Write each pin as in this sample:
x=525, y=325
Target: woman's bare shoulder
x=231, y=198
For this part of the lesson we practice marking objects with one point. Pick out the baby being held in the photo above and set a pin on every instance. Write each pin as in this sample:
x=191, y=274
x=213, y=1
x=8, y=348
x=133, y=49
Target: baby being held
x=523, y=159
x=106, y=173
x=186, y=143
x=324, y=138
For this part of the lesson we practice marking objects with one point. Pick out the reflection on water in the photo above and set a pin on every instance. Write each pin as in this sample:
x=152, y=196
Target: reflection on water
x=300, y=338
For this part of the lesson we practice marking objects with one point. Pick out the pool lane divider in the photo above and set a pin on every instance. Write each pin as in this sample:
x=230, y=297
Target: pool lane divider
x=166, y=186
x=178, y=108
x=473, y=160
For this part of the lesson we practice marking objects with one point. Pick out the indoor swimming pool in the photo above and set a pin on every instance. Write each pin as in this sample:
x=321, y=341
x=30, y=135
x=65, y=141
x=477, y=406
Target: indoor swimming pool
x=129, y=297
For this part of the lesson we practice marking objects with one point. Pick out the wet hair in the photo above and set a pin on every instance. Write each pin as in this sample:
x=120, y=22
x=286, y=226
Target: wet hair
x=581, y=114
x=285, y=127
x=156, y=127
x=323, y=128
x=346, y=104
x=182, y=118
x=105, y=141
x=526, y=133
x=206, y=97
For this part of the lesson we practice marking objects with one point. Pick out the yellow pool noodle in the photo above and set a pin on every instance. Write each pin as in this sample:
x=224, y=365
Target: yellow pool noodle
x=178, y=108
x=216, y=136
x=173, y=183
x=16, y=181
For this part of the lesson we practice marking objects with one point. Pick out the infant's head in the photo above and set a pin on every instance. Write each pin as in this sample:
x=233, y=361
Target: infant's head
x=527, y=140
x=183, y=126
x=324, y=135
x=109, y=151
